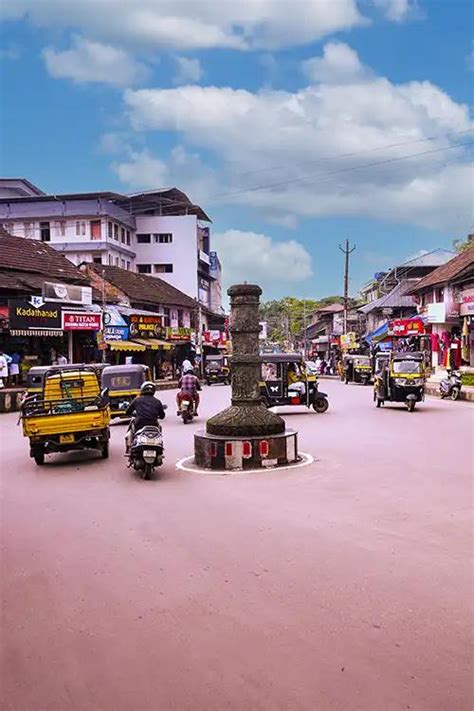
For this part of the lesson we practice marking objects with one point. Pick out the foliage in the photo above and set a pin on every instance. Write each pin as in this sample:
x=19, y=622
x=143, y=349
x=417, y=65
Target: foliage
x=460, y=245
x=286, y=317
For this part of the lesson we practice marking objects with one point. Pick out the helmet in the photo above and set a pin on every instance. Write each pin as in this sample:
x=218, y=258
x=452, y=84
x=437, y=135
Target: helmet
x=148, y=388
x=187, y=367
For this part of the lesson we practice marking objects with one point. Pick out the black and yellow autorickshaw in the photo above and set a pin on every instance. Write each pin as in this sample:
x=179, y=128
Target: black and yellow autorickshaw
x=123, y=383
x=286, y=381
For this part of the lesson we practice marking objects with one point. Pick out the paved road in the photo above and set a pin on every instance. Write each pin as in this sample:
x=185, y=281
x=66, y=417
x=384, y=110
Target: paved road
x=341, y=586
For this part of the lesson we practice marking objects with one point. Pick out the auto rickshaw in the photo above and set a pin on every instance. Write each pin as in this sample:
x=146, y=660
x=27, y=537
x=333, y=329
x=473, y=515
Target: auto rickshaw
x=401, y=378
x=35, y=376
x=216, y=369
x=123, y=383
x=71, y=413
x=357, y=369
x=285, y=381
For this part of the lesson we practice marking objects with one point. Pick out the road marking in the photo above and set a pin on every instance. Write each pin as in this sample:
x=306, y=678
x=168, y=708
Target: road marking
x=183, y=465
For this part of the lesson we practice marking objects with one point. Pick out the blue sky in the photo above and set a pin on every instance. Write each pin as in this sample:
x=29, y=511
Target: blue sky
x=295, y=123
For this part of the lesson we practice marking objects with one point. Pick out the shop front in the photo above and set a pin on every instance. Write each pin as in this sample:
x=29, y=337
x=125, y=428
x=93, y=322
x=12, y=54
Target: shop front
x=146, y=329
x=466, y=312
x=33, y=331
x=446, y=345
x=81, y=328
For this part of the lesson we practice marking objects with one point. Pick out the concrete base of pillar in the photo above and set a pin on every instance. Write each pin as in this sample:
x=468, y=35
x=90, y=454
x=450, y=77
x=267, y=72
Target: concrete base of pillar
x=222, y=453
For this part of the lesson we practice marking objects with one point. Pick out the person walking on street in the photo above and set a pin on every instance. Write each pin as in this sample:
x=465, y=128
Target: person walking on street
x=15, y=368
x=4, y=361
x=61, y=359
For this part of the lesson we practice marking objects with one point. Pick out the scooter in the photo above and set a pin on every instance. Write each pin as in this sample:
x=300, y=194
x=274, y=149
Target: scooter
x=186, y=410
x=147, y=451
x=451, y=386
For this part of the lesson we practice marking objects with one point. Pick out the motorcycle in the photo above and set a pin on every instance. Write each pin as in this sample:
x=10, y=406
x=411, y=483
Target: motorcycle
x=146, y=450
x=451, y=386
x=186, y=410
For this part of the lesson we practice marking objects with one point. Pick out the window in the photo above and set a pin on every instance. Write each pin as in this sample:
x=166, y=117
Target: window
x=60, y=226
x=110, y=230
x=128, y=264
x=166, y=312
x=180, y=318
x=29, y=229
x=143, y=239
x=95, y=229
x=122, y=234
x=144, y=268
x=128, y=236
x=163, y=268
x=97, y=260
x=115, y=231
x=163, y=238
x=80, y=228
x=45, y=231
x=111, y=260
x=439, y=295
x=122, y=263
x=117, y=261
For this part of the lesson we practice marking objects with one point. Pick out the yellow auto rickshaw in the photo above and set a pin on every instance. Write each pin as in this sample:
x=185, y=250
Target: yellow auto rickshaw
x=286, y=381
x=400, y=378
x=35, y=375
x=71, y=413
x=123, y=383
x=357, y=369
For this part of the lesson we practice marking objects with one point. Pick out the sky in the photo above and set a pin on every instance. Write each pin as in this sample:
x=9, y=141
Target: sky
x=296, y=124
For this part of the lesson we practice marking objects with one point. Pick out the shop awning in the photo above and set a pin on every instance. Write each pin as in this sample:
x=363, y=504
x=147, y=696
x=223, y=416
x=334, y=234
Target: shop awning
x=42, y=332
x=154, y=343
x=124, y=346
x=379, y=334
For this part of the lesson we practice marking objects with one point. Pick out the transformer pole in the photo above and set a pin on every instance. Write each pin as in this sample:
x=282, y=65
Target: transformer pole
x=347, y=251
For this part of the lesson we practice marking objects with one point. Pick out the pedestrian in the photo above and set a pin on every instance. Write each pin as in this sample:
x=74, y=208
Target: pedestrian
x=61, y=359
x=323, y=366
x=14, y=368
x=317, y=364
x=4, y=360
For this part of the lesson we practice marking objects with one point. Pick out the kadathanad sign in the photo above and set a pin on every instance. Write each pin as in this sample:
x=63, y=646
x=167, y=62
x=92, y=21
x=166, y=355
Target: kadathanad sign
x=34, y=313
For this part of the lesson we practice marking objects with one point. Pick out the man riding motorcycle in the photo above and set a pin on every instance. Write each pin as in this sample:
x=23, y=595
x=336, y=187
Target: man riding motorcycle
x=189, y=386
x=146, y=409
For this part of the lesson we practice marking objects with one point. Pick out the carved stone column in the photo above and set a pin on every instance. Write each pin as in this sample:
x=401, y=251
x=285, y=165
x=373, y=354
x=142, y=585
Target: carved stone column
x=246, y=417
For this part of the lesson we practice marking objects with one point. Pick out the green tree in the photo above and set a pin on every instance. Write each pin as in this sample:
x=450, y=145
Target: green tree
x=460, y=245
x=286, y=317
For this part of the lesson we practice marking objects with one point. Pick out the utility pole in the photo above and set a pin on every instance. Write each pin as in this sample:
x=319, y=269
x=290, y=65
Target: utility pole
x=104, y=357
x=347, y=251
x=305, y=342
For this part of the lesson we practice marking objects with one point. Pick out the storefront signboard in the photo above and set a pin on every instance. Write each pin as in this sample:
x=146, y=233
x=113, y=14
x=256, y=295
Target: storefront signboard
x=70, y=293
x=116, y=333
x=180, y=333
x=34, y=313
x=467, y=302
x=146, y=325
x=81, y=320
x=436, y=313
x=407, y=327
x=349, y=340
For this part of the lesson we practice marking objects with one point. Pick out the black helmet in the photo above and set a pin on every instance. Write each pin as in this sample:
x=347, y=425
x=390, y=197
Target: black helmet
x=148, y=388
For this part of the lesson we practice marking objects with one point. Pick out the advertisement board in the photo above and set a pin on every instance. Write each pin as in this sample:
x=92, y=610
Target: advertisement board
x=406, y=327
x=116, y=333
x=81, y=320
x=70, y=293
x=34, y=313
x=145, y=325
x=176, y=333
x=466, y=298
x=436, y=313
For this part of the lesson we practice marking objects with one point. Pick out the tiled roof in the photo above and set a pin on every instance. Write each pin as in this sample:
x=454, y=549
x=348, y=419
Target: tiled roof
x=142, y=288
x=464, y=262
x=396, y=299
x=330, y=309
x=434, y=258
x=27, y=258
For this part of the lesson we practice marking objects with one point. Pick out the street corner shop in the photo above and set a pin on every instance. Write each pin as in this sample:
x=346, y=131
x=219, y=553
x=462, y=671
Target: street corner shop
x=40, y=329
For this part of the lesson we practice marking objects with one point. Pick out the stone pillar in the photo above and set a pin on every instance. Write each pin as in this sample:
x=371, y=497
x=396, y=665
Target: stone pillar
x=246, y=416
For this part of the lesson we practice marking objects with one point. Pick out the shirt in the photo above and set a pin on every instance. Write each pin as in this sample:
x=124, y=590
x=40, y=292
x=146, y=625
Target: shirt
x=189, y=383
x=147, y=409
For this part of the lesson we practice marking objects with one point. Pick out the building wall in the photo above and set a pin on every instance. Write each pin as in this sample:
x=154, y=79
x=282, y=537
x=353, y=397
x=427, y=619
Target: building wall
x=181, y=252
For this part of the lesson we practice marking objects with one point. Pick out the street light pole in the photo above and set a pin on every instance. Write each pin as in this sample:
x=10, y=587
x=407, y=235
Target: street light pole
x=347, y=251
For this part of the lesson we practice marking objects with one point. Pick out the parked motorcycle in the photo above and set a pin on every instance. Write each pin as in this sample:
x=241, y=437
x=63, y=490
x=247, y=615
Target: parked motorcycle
x=146, y=450
x=186, y=410
x=451, y=386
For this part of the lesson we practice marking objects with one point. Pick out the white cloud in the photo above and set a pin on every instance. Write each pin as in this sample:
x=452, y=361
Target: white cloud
x=188, y=24
x=88, y=61
x=142, y=171
x=398, y=10
x=257, y=258
x=339, y=64
x=316, y=147
x=189, y=70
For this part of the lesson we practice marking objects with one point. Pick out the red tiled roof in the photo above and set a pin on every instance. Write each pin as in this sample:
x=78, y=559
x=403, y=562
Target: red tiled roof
x=26, y=258
x=142, y=288
x=463, y=262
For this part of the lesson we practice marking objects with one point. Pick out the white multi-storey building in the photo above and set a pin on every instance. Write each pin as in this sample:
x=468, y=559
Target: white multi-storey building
x=161, y=233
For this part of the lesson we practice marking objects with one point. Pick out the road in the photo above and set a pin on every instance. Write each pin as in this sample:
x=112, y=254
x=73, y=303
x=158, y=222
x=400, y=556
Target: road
x=342, y=586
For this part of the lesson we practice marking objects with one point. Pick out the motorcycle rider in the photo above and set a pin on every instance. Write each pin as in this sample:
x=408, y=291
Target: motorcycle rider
x=145, y=409
x=189, y=386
